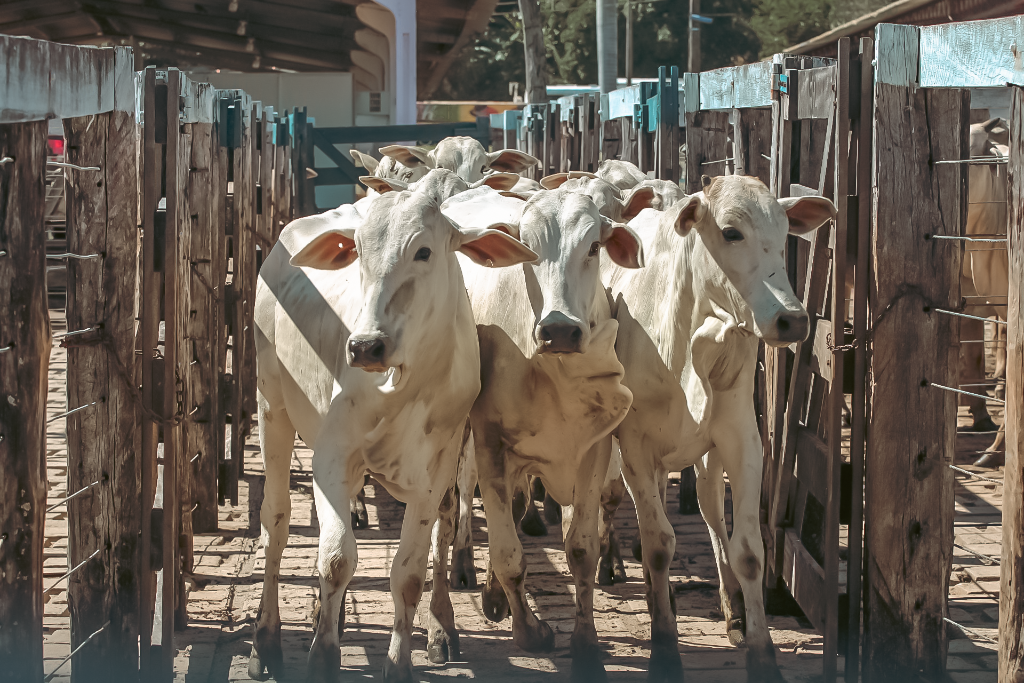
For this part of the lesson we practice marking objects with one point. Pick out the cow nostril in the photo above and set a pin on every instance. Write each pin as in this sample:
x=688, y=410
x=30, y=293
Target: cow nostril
x=377, y=350
x=545, y=334
x=576, y=334
x=783, y=324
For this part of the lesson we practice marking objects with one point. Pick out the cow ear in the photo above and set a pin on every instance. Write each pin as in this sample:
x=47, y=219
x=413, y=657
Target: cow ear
x=807, y=213
x=364, y=160
x=687, y=213
x=990, y=125
x=554, y=181
x=326, y=241
x=622, y=244
x=498, y=181
x=383, y=185
x=511, y=161
x=495, y=248
x=636, y=200
x=407, y=155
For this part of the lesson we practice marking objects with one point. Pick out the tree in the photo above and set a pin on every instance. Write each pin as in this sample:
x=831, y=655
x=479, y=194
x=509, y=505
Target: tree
x=535, y=63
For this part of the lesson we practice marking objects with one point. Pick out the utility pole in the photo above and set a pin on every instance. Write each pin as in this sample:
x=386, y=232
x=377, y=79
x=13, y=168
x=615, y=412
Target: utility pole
x=693, y=66
x=536, y=57
x=629, y=42
x=607, y=45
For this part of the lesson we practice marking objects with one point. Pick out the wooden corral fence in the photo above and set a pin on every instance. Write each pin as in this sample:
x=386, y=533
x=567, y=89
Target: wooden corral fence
x=174, y=192
x=882, y=131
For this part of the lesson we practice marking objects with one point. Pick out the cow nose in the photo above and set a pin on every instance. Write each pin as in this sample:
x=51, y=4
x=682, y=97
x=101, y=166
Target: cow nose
x=368, y=353
x=792, y=327
x=560, y=338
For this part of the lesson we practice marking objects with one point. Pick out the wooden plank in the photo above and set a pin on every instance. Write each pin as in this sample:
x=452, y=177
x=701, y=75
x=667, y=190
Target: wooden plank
x=203, y=432
x=909, y=488
x=817, y=93
x=1011, y=597
x=707, y=137
x=24, y=331
x=805, y=579
x=103, y=442
x=149, y=314
x=906, y=41
x=265, y=200
x=222, y=215
x=737, y=87
x=44, y=80
x=858, y=430
x=752, y=143
x=972, y=54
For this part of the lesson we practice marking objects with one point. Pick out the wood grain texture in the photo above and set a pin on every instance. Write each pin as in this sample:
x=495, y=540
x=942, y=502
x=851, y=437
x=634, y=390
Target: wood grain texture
x=896, y=54
x=752, y=141
x=25, y=326
x=736, y=87
x=103, y=442
x=707, y=136
x=973, y=54
x=909, y=488
x=201, y=432
x=1011, y=584
x=49, y=80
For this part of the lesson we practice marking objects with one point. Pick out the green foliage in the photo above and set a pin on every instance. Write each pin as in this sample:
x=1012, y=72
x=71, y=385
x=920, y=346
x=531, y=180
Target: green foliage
x=742, y=31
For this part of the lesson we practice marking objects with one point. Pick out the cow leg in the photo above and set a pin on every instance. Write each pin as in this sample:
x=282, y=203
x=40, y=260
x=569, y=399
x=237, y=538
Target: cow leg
x=506, y=561
x=972, y=371
x=463, y=574
x=360, y=518
x=610, y=569
x=277, y=439
x=581, y=552
x=532, y=524
x=442, y=637
x=738, y=446
x=336, y=561
x=658, y=547
x=638, y=549
x=999, y=349
x=711, y=494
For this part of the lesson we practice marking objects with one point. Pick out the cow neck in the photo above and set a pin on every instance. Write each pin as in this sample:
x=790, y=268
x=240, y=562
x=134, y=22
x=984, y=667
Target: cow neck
x=675, y=314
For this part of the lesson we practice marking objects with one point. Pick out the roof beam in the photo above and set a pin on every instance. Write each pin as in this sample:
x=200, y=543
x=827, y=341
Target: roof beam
x=176, y=53
x=14, y=27
x=255, y=12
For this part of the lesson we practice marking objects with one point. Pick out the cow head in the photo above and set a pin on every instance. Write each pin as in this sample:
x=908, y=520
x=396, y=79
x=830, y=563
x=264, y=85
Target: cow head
x=464, y=156
x=567, y=232
x=411, y=283
x=739, y=262
x=619, y=206
x=622, y=174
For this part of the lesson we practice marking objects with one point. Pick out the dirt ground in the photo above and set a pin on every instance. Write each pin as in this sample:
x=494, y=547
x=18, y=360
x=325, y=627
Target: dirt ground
x=215, y=646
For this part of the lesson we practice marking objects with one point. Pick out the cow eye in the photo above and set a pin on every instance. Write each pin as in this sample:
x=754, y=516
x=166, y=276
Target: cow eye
x=732, y=235
x=423, y=254
x=594, y=248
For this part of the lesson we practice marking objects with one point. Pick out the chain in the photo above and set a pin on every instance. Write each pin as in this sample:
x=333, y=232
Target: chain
x=103, y=339
x=844, y=347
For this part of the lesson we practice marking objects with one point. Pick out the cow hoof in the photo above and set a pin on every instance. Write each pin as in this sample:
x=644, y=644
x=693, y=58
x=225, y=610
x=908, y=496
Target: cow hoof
x=442, y=648
x=535, y=641
x=666, y=667
x=270, y=666
x=610, y=570
x=324, y=663
x=763, y=669
x=984, y=424
x=638, y=549
x=494, y=602
x=532, y=524
x=991, y=459
x=735, y=631
x=463, y=574
x=587, y=667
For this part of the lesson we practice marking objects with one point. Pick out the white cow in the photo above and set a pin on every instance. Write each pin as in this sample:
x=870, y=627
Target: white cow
x=985, y=275
x=464, y=156
x=388, y=167
x=689, y=324
x=376, y=367
x=551, y=393
x=622, y=174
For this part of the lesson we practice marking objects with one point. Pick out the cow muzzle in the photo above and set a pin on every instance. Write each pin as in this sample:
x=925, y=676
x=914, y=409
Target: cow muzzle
x=557, y=333
x=789, y=327
x=369, y=352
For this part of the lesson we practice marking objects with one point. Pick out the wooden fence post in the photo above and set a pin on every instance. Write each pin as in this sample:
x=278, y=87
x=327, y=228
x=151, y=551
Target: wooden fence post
x=1011, y=584
x=104, y=441
x=25, y=338
x=203, y=432
x=752, y=142
x=909, y=489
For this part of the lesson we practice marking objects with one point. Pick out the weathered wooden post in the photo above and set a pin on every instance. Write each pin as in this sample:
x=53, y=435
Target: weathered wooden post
x=909, y=488
x=1011, y=583
x=203, y=431
x=104, y=441
x=24, y=361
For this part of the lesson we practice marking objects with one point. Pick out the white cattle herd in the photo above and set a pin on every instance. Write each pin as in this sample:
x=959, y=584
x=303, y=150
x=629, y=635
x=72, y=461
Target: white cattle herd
x=462, y=322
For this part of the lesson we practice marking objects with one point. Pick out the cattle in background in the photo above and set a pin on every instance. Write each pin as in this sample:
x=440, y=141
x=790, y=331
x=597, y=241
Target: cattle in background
x=367, y=348
x=551, y=392
x=985, y=277
x=464, y=156
x=689, y=325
